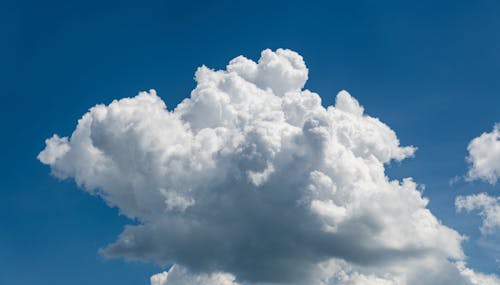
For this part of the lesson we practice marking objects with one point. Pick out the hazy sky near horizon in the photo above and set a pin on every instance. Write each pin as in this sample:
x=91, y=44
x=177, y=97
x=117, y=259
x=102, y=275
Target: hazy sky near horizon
x=428, y=70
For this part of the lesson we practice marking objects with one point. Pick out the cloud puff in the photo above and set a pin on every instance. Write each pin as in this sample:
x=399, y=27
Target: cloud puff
x=180, y=276
x=487, y=206
x=484, y=156
x=252, y=181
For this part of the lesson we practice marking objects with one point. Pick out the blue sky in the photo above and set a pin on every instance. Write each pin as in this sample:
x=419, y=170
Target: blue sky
x=429, y=70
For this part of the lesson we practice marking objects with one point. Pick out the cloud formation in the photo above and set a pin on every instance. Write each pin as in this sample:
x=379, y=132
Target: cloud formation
x=252, y=181
x=180, y=276
x=484, y=156
x=484, y=164
x=487, y=206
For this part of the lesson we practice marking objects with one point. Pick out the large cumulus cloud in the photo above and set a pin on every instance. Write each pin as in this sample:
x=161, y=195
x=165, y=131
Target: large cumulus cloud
x=252, y=181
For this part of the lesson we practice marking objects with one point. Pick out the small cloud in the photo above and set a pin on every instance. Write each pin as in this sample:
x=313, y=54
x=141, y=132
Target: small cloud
x=484, y=157
x=488, y=208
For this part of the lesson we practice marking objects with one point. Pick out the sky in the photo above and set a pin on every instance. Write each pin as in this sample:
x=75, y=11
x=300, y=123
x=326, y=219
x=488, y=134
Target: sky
x=427, y=70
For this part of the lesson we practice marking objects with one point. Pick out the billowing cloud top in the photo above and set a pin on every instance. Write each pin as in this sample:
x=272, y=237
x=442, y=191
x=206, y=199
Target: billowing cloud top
x=251, y=181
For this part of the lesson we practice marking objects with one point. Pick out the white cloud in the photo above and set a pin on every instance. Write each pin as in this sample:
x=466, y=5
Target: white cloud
x=252, y=180
x=177, y=275
x=484, y=156
x=159, y=278
x=477, y=278
x=487, y=206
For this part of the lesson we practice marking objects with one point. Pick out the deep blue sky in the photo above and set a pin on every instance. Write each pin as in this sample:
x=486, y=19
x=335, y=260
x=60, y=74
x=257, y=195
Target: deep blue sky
x=429, y=70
